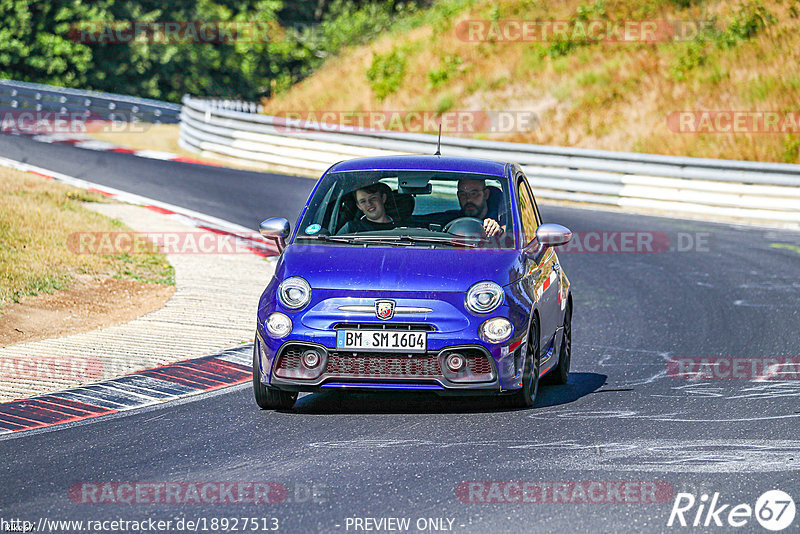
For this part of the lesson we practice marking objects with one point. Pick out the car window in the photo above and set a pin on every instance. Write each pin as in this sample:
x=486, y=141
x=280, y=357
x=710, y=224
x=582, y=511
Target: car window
x=527, y=210
x=441, y=198
x=420, y=204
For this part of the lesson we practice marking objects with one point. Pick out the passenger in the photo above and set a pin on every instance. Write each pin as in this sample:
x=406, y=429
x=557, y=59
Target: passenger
x=371, y=201
x=473, y=196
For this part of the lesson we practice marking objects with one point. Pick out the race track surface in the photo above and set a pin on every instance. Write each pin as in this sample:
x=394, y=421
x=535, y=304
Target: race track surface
x=621, y=424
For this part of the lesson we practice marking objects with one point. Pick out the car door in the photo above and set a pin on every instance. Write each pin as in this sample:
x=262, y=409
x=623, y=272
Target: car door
x=540, y=262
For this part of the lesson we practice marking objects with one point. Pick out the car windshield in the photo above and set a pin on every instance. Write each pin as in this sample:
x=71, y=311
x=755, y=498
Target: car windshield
x=408, y=208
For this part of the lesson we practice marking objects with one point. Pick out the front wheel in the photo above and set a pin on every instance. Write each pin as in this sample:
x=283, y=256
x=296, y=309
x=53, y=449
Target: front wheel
x=526, y=396
x=269, y=398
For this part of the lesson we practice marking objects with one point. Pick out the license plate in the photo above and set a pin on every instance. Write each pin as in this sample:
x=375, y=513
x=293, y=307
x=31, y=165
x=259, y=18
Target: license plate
x=382, y=340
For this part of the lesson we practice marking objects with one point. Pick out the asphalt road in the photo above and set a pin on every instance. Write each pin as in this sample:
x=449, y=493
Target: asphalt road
x=243, y=197
x=622, y=421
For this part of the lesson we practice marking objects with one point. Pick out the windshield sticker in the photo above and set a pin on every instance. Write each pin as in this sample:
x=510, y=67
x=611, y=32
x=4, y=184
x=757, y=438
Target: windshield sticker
x=313, y=229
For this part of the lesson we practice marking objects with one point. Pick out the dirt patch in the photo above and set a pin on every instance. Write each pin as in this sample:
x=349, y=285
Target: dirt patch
x=90, y=302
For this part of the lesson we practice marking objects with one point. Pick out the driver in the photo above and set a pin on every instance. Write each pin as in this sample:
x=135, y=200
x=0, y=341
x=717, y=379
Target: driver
x=473, y=196
x=371, y=201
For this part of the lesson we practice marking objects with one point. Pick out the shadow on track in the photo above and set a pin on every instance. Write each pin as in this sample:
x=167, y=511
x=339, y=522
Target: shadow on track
x=361, y=402
x=578, y=385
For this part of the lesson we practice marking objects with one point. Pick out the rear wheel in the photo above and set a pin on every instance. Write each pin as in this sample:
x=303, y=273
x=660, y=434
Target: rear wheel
x=266, y=397
x=560, y=374
x=526, y=396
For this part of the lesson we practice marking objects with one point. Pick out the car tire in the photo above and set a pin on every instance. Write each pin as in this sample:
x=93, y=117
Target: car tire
x=559, y=375
x=269, y=398
x=525, y=397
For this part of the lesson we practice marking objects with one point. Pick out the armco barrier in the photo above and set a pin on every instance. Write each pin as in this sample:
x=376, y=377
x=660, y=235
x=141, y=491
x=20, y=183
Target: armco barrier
x=23, y=96
x=766, y=192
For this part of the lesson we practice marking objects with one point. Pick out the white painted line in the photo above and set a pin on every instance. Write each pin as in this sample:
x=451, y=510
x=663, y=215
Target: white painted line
x=131, y=198
x=94, y=144
x=155, y=154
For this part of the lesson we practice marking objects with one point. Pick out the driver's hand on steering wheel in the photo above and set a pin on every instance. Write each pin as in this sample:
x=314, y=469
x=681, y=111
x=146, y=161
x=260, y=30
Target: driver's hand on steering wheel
x=492, y=228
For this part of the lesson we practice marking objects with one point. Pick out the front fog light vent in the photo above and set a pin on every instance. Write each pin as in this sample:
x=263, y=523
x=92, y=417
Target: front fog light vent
x=311, y=358
x=455, y=362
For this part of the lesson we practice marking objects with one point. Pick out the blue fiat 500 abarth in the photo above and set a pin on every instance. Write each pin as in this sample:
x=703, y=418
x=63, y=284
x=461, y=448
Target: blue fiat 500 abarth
x=415, y=273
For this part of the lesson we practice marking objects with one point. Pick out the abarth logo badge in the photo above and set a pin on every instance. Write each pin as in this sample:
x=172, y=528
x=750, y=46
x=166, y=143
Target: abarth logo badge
x=384, y=309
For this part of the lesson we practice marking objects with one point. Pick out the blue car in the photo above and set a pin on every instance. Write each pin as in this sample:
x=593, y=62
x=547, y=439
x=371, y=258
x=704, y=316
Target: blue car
x=415, y=273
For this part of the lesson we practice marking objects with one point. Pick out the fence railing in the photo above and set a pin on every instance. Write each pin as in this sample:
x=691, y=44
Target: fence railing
x=238, y=131
x=670, y=184
x=33, y=97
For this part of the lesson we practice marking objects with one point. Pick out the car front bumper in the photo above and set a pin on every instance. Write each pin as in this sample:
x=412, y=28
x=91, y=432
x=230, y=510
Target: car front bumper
x=485, y=371
x=493, y=367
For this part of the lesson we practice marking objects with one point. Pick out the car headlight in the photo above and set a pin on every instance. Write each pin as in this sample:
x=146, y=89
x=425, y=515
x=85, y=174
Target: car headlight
x=496, y=330
x=484, y=297
x=278, y=325
x=294, y=293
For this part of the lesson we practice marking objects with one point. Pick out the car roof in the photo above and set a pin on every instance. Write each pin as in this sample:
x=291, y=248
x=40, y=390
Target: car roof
x=423, y=163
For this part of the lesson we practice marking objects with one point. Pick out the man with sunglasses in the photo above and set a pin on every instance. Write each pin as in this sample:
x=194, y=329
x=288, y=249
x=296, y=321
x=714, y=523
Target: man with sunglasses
x=473, y=196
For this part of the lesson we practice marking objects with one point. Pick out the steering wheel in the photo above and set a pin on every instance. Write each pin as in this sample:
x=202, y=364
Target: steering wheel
x=466, y=227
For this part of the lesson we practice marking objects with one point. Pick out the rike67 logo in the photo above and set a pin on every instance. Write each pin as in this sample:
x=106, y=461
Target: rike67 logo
x=774, y=510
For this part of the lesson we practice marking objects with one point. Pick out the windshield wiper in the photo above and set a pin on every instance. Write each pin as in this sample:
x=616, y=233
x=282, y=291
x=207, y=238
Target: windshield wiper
x=392, y=239
x=366, y=240
x=420, y=239
x=442, y=240
x=329, y=238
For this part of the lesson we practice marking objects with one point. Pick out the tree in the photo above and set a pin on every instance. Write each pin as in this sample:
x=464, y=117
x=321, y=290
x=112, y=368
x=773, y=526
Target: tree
x=35, y=45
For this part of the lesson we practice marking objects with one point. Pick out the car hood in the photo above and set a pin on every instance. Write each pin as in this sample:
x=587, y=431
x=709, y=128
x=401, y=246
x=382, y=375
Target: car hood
x=398, y=268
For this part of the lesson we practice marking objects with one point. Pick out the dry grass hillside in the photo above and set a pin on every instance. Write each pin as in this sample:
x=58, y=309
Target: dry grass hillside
x=585, y=92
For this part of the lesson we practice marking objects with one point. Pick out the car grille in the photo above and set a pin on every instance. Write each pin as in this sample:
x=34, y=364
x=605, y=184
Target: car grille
x=379, y=365
x=478, y=363
x=386, y=326
x=290, y=358
x=290, y=363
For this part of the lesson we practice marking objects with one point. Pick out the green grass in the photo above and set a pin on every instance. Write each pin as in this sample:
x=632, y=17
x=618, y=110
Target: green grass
x=445, y=103
x=445, y=71
x=608, y=94
x=39, y=216
x=386, y=73
x=785, y=246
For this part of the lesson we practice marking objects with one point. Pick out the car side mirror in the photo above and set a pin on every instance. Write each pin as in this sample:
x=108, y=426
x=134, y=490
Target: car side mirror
x=276, y=229
x=553, y=235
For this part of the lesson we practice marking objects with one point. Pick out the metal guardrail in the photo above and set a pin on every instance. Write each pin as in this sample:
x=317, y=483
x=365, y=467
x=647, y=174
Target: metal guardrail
x=671, y=184
x=238, y=131
x=23, y=96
